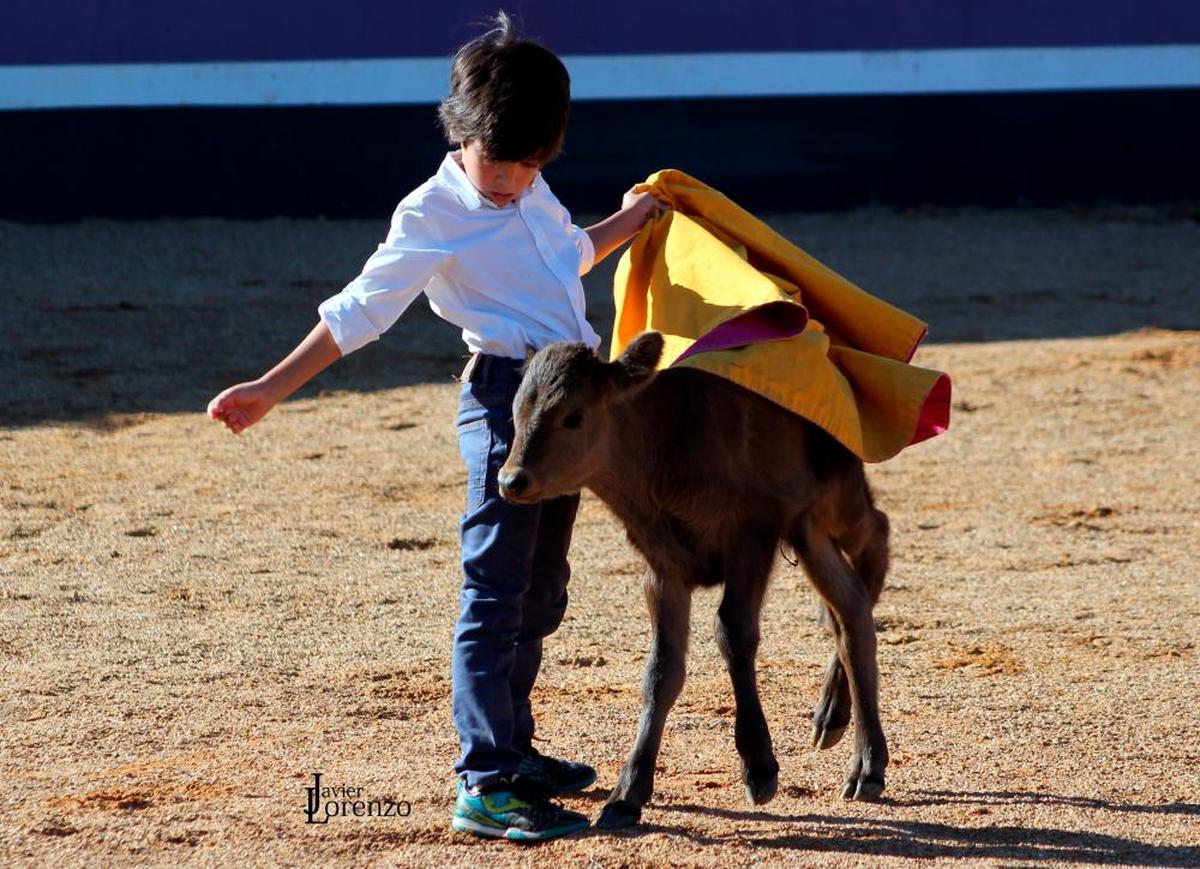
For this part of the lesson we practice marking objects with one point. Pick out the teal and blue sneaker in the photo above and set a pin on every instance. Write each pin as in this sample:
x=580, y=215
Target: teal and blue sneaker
x=554, y=776
x=499, y=813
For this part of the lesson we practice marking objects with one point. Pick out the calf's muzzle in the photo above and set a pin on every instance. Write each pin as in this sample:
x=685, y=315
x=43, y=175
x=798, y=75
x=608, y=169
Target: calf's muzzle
x=513, y=483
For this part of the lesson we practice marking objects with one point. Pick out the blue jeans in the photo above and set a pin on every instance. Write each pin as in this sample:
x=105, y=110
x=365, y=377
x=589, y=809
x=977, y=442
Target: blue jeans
x=514, y=590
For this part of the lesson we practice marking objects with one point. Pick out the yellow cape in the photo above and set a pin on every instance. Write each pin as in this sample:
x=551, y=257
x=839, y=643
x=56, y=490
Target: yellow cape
x=733, y=297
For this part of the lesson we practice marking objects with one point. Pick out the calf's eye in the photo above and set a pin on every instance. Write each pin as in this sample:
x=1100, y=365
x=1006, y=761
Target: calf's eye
x=573, y=420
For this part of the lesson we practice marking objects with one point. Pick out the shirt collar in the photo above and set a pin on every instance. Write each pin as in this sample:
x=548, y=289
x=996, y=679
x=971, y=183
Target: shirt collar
x=455, y=177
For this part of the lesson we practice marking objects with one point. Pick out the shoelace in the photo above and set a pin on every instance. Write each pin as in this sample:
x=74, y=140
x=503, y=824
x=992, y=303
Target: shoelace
x=540, y=762
x=532, y=763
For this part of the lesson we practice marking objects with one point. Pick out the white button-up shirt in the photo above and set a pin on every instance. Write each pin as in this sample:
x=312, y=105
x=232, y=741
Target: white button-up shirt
x=508, y=276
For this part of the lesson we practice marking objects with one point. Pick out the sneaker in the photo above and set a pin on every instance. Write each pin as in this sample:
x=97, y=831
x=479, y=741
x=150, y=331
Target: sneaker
x=554, y=776
x=503, y=814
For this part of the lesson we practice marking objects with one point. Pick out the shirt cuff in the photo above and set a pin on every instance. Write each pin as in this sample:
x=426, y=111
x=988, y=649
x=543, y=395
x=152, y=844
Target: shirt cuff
x=587, y=251
x=350, y=327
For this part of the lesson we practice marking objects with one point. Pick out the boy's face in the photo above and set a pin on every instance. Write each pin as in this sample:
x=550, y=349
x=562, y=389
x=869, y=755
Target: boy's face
x=500, y=181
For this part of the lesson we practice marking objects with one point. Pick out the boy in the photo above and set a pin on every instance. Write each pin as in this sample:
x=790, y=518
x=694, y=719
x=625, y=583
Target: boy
x=497, y=255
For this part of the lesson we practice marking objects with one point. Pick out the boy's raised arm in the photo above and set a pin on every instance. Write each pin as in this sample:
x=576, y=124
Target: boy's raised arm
x=241, y=406
x=612, y=232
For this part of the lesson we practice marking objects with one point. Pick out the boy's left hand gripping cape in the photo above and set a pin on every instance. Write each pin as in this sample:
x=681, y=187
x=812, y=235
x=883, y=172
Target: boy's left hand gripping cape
x=733, y=297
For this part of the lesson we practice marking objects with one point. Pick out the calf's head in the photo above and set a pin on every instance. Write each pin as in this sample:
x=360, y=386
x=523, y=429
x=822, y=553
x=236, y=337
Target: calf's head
x=563, y=414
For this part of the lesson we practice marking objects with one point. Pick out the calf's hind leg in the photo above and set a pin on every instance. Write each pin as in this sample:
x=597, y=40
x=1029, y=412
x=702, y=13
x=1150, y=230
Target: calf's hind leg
x=867, y=547
x=850, y=602
x=669, y=602
x=832, y=715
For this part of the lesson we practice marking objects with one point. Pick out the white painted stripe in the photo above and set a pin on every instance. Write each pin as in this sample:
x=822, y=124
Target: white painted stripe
x=594, y=77
x=886, y=72
x=284, y=83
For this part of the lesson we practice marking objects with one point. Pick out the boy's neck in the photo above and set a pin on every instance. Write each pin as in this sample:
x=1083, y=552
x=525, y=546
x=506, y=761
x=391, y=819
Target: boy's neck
x=458, y=159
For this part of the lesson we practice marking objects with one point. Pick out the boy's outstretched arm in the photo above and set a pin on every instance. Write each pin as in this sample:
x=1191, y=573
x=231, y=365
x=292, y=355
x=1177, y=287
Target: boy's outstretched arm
x=612, y=232
x=241, y=406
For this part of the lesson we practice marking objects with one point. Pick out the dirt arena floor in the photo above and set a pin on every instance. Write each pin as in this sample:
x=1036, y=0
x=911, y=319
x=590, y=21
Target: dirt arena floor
x=192, y=624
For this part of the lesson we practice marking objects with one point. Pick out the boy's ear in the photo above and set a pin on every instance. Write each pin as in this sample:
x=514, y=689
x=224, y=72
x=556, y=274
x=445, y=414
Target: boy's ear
x=635, y=368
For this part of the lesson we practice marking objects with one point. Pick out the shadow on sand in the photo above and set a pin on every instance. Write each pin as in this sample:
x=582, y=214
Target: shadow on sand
x=103, y=320
x=893, y=837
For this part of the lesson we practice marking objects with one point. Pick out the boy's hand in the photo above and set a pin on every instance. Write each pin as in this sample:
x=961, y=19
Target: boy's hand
x=642, y=206
x=241, y=406
x=612, y=232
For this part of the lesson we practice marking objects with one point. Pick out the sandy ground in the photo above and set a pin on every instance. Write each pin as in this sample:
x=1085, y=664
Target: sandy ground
x=192, y=624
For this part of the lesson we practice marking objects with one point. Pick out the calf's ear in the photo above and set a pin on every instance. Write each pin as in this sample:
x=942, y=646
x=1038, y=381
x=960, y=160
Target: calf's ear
x=635, y=368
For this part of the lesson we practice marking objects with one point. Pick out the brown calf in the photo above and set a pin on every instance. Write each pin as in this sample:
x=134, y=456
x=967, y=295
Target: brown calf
x=708, y=479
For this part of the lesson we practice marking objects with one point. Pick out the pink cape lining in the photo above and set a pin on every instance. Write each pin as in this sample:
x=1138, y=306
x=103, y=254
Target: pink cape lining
x=774, y=321
x=777, y=321
x=935, y=412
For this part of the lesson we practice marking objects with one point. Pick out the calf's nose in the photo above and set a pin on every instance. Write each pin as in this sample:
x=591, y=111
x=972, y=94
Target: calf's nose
x=513, y=482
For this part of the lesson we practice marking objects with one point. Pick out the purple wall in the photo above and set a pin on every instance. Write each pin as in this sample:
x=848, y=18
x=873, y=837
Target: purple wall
x=157, y=31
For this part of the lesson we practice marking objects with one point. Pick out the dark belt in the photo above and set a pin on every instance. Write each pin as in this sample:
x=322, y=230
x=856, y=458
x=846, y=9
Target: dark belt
x=483, y=367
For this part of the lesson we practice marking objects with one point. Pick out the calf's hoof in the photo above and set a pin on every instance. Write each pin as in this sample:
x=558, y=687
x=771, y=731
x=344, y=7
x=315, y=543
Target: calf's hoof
x=861, y=789
x=761, y=783
x=832, y=715
x=864, y=779
x=618, y=815
x=826, y=735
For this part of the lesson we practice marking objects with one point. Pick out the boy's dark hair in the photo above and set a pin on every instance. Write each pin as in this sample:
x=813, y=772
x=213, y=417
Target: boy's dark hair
x=508, y=93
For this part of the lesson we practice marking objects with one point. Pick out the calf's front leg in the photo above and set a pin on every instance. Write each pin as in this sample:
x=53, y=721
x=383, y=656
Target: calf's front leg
x=737, y=631
x=669, y=603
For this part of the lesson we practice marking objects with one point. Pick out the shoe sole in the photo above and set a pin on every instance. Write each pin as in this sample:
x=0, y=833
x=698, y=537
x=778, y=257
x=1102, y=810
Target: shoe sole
x=513, y=834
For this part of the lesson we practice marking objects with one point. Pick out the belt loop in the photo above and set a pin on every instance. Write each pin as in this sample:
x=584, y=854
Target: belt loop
x=468, y=373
